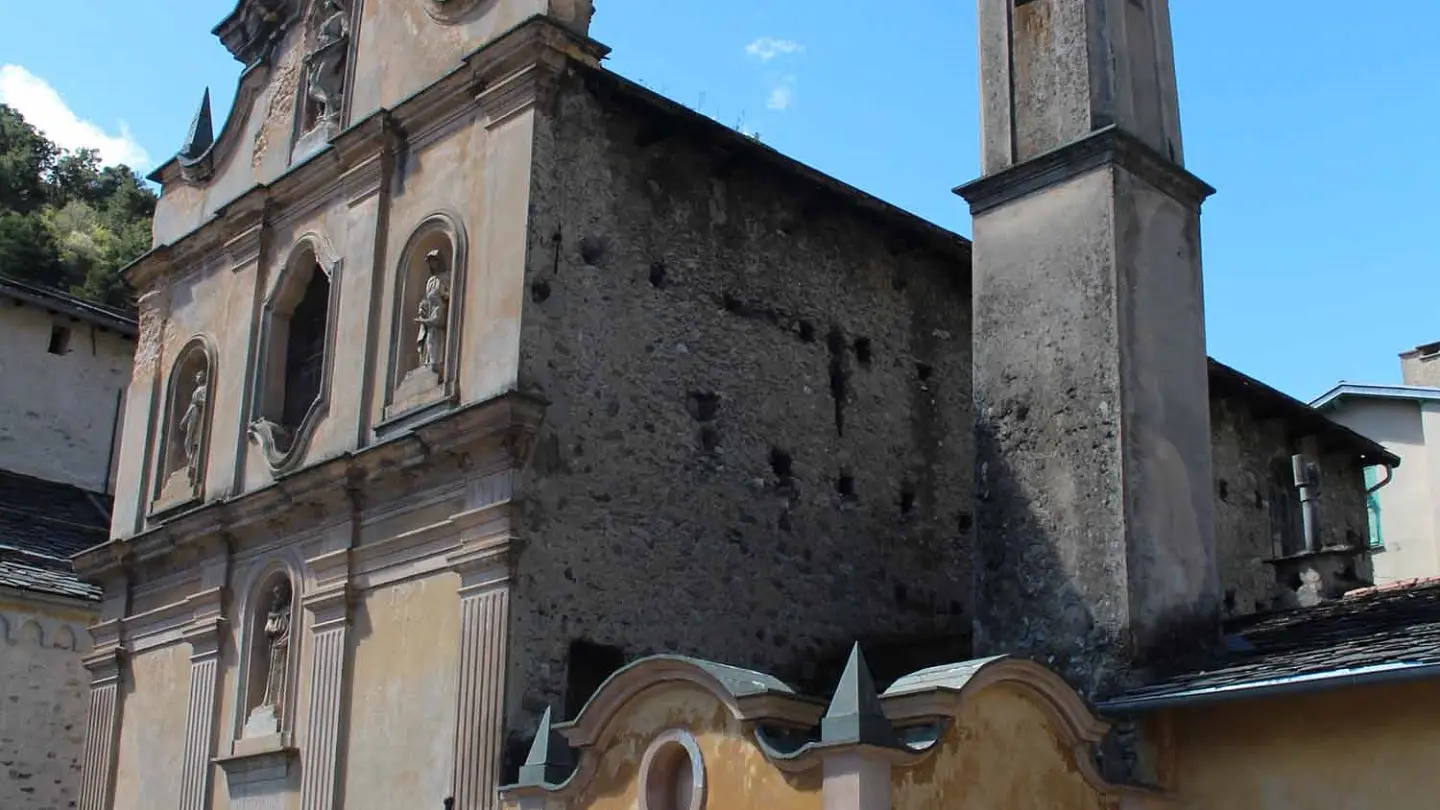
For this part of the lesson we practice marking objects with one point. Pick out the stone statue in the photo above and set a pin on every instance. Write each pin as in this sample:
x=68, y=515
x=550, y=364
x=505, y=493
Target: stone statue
x=429, y=342
x=191, y=424
x=325, y=76
x=277, y=634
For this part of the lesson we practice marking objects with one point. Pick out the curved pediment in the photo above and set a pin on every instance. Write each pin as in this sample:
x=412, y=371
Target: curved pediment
x=250, y=31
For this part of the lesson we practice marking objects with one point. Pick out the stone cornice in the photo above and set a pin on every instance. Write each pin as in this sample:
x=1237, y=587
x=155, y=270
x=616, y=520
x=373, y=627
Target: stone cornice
x=504, y=426
x=1110, y=146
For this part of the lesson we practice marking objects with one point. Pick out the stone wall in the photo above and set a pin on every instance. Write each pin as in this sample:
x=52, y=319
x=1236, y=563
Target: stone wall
x=757, y=447
x=47, y=429
x=43, y=697
x=1245, y=445
x=1421, y=365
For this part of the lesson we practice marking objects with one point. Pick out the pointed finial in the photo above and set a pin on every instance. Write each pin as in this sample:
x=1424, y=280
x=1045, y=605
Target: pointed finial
x=202, y=131
x=855, y=715
x=549, y=759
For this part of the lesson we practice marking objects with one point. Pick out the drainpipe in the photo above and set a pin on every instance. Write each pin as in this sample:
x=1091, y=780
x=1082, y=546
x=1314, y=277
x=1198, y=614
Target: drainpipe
x=1307, y=480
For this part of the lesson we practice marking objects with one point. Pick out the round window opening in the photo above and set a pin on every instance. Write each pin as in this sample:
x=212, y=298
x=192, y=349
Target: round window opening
x=673, y=774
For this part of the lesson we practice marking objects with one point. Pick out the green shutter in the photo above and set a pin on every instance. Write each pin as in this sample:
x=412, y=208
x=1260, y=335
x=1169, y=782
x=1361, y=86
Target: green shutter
x=1372, y=507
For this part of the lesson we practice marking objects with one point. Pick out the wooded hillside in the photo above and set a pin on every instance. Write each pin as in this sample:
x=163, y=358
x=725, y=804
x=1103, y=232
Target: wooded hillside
x=64, y=221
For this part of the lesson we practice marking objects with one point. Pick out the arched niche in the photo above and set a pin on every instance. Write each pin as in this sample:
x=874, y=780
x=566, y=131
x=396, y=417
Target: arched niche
x=269, y=655
x=297, y=351
x=426, y=321
x=184, y=444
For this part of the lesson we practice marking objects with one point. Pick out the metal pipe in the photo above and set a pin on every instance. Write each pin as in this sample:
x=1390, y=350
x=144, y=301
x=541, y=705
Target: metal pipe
x=1389, y=474
x=1307, y=481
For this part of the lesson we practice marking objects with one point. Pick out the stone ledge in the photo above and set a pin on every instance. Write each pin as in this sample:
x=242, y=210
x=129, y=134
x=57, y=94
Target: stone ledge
x=258, y=759
x=1110, y=146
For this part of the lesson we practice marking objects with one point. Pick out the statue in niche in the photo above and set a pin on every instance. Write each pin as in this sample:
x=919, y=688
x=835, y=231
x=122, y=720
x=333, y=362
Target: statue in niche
x=430, y=339
x=192, y=422
x=265, y=717
x=325, y=72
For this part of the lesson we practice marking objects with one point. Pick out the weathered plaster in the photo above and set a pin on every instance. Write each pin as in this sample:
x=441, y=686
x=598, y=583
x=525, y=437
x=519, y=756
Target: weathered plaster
x=398, y=750
x=61, y=422
x=44, y=692
x=1293, y=754
x=1000, y=751
x=150, y=752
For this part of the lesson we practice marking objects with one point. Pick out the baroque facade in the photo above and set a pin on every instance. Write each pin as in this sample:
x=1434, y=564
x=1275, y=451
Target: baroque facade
x=471, y=376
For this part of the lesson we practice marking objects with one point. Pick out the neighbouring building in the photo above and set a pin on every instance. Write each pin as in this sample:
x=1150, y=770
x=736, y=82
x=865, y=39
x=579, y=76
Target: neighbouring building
x=64, y=366
x=471, y=377
x=1404, y=503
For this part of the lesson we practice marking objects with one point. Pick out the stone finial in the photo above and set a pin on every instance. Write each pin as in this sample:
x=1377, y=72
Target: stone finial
x=855, y=716
x=202, y=132
x=549, y=761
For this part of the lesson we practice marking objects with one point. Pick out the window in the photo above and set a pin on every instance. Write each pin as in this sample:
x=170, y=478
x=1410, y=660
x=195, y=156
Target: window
x=1286, y=528
x=305, y=351
x=588, y=666
x=1372, y=507
x=59, y=340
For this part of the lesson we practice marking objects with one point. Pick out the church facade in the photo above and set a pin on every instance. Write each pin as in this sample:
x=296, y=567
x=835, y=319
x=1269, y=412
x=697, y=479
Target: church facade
x=471, y=377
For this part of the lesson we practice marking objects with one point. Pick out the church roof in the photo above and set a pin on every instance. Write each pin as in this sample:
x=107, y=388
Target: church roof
x=1374, y=635
x=43, y=523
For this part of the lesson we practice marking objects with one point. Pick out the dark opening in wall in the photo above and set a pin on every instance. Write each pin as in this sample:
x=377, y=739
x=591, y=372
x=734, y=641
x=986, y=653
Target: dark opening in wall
x=702, y=405
x=305, y=351
x=539, y=290
x=1224, y=488
x=586, y=667
x=862, y=350
x=907, y=497
x=657, y=274
x=845, y=485
x=59, y=340
x=964, y=523
x=781, y=464
x=807, y=331
x=923, y=371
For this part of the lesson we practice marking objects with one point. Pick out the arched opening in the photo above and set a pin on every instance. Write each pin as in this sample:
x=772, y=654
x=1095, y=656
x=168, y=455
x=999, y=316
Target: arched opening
x=269, y=656
x=187, y=415
x=429, y=285
x=305, y=350
x=297, y=343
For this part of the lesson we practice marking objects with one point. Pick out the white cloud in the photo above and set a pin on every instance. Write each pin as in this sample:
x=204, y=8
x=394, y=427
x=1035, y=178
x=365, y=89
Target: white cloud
x=767, y=48
x=781, y=95
x=46, y=111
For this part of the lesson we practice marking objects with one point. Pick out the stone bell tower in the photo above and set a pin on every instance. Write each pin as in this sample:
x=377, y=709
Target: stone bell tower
x=1094, y=514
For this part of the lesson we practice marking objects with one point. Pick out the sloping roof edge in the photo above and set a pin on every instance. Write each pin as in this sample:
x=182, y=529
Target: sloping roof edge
x=66, y=304
x=1228, y=381
x=1345, y=390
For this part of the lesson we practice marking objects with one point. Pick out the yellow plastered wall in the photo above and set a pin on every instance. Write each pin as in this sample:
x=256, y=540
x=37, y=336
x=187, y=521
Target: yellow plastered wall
x=737, y=774
x=402, y=701
x=1343, y=749
x=1001, y=751
x=152, y=738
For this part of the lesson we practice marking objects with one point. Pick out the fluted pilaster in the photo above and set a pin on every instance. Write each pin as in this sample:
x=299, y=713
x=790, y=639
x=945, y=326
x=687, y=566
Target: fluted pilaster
x=97, y=775
x=484, y=623
x=320, y=751
x=200, y=719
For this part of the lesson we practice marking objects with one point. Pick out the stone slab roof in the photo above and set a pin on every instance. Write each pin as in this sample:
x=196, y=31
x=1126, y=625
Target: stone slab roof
x=1370, y=636
x=43, y=523
x=65, y=304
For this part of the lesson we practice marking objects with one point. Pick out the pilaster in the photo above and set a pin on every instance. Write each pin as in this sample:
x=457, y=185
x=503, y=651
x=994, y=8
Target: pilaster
x=97, y=776
x=484, y=568
x=205, y=634
x=329, y=607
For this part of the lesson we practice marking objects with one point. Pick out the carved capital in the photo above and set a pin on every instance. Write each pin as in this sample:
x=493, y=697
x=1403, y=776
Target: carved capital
x=205, y=636
x=104, y=666
x=330, y=605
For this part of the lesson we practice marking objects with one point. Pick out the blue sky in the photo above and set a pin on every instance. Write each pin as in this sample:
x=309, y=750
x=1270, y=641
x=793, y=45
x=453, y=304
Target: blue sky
x=1314, y=120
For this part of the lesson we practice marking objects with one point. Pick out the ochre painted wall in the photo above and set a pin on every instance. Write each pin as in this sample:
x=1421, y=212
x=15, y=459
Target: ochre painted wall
x=156, y=694
x=402, y=708
x=1346, y=749
x=1000, y=752
x=737, y=774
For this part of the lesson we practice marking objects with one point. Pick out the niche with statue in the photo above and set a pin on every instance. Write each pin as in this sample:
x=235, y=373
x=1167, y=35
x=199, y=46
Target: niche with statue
x=425, y=336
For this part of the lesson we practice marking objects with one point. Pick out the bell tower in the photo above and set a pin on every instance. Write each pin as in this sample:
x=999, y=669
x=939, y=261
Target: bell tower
x=1093, y=476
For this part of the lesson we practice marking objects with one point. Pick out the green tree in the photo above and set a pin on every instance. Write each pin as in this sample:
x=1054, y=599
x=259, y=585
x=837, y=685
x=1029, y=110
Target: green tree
x=66, y=221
